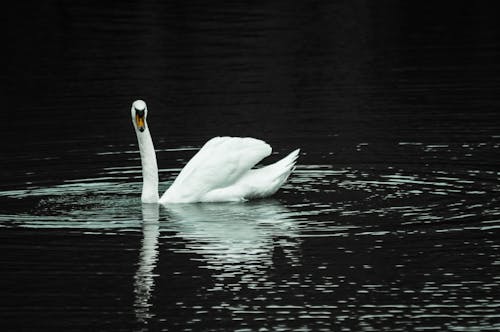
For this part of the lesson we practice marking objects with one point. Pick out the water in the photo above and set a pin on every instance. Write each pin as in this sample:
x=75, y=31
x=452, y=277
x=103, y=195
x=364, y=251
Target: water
x=390, y=221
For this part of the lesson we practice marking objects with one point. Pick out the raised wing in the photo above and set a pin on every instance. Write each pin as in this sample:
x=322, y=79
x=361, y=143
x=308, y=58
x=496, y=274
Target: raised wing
x=220, y=163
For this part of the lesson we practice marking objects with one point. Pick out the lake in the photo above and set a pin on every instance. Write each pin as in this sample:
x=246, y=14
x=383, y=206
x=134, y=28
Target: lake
x=390, y=221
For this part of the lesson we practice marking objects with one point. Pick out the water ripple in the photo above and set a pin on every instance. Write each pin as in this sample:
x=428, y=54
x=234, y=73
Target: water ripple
x=361, y=223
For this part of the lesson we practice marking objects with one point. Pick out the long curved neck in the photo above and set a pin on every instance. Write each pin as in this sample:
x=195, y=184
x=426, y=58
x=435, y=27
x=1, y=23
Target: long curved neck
x=149, y=167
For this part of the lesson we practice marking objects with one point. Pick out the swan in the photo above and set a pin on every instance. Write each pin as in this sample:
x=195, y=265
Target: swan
x=221, y=171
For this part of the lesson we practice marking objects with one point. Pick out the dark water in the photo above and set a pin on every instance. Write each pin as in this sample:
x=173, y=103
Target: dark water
x=390, y=222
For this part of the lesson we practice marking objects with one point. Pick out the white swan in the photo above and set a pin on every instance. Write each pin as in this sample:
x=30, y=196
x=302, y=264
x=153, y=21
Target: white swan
x=220, y=171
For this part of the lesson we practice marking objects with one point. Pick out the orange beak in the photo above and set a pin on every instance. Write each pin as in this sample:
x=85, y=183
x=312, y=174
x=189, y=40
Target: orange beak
x=139, y=120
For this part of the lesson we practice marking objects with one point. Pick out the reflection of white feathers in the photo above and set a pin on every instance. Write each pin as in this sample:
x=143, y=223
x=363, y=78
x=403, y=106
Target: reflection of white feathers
x=144, y=277
x=221, y=171
x=235, y=238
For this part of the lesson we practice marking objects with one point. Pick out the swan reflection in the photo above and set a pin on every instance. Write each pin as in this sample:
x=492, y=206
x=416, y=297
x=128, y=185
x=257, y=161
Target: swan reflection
x=236, y=238
x=148, y=258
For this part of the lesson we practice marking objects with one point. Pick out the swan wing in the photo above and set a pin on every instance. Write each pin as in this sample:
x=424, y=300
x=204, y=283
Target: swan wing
x=257, y=183
x=221, y=162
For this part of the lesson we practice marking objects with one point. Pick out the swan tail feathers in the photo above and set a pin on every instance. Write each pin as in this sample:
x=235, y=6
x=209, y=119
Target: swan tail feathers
x=289, y=161
x=267, y=180
x=284, y=167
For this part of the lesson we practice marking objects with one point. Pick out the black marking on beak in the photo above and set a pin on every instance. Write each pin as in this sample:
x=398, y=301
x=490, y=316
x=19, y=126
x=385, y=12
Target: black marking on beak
x=140, y=120
x=139, y=112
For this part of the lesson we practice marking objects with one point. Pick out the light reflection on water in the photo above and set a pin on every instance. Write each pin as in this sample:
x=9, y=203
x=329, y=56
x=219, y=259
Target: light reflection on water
x=234, y=239
x=415, y=197
x=321, y=251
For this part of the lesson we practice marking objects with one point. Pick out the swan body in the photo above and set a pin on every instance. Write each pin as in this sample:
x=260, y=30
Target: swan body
x=221, y=171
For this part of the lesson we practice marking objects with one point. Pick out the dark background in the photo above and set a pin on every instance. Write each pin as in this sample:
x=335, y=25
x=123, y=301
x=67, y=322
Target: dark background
x=263, y=69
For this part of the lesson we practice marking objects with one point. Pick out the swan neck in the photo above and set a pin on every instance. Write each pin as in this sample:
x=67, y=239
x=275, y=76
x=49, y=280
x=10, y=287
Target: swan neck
x=149, y=167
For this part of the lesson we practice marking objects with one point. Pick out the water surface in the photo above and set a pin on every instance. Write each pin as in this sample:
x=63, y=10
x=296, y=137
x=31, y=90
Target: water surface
x=390, y=221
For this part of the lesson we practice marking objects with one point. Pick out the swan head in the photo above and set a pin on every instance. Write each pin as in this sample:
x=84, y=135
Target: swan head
x=139, y=112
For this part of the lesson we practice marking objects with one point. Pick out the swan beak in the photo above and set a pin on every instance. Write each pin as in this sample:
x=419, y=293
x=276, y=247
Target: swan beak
x=139, y=120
